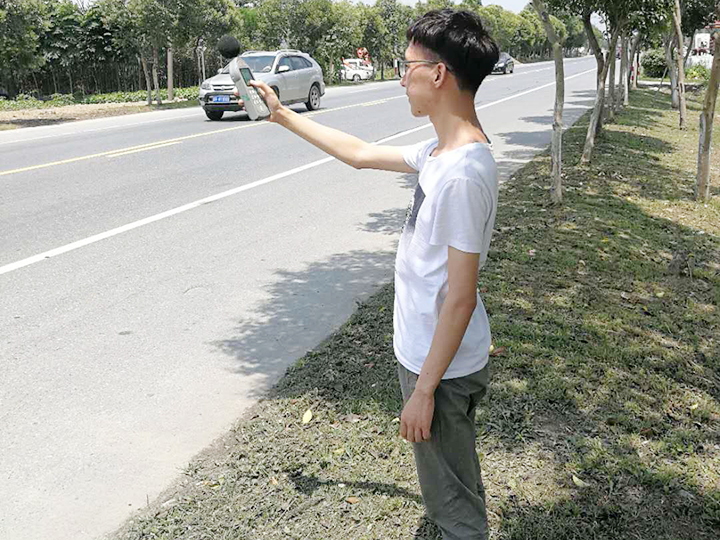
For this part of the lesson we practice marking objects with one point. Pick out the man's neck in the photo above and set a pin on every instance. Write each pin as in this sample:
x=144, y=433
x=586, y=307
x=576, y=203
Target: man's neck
x=456, y=123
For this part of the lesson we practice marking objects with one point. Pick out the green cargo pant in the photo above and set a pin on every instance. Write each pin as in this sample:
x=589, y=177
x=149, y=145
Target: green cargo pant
x=448, y=466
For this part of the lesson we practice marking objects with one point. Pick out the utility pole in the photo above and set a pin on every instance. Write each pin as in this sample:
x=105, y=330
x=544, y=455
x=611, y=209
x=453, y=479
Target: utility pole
x=201, y=50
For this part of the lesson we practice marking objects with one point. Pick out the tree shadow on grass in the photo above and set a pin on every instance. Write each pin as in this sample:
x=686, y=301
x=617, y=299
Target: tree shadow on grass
x=613, y=368
x=309, y=484
x=654, y=508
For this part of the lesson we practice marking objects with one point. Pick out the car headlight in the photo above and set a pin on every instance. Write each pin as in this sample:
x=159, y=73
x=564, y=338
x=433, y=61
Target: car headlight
x=206, y=86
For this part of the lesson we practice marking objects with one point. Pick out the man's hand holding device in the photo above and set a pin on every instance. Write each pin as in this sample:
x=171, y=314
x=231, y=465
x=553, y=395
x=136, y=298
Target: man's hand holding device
x=248, y=93
x=241, y=74
x=270, y=98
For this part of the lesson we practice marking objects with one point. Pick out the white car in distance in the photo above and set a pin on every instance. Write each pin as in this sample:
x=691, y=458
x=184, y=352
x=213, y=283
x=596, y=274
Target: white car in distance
x=356, y=70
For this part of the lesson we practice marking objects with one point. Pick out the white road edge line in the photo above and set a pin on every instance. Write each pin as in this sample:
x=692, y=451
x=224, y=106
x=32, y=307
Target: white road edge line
x=184, y=208
x=155, y=120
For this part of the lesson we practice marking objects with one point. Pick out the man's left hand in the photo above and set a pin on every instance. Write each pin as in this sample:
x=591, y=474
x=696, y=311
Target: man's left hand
x=417, y=416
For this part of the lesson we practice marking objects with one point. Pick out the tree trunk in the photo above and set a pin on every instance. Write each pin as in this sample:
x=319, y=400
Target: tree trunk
x=677, y=21
x=602, y=71
x=170, y=73
x=623, y=97
x=689, y=49
x=156, y=80
x=556, y=189
x=72, y=90
x=635, y=65
x=54, y=79
x=601, y=115
x=38, y=86
x=671, y=69
x=707, y=117
x=148, y=84
x=611, y=83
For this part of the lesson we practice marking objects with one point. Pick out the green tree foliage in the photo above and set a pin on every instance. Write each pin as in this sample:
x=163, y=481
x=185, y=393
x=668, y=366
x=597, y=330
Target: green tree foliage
x=575, y=37
x=65, y=39
x=56, y=46
x=22, y=25
x=696, y=14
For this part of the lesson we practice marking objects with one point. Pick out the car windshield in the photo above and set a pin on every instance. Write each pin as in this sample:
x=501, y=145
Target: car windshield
x=260, y=64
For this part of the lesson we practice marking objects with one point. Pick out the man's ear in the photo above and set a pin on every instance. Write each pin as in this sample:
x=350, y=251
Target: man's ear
x=441, y=75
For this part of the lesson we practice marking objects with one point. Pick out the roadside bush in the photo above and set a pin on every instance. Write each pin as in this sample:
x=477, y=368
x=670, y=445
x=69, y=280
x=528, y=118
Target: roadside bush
x=187, y=93
x=141, y=95
x=653, y=63
x=698, y=73
x=28, y=101
x=116, y=97
x=59, y=100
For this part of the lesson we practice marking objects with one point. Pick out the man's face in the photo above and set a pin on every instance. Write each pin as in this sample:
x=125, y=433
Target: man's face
x=418, y=81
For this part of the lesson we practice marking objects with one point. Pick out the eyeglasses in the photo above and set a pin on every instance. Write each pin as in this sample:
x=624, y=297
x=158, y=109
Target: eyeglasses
x=403, y=65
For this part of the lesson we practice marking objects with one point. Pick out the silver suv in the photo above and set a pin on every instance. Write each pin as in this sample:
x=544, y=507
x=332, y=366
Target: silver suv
x=294, y=75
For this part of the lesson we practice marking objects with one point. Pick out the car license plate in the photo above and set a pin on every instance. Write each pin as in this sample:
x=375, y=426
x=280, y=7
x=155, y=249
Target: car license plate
x=221, y=99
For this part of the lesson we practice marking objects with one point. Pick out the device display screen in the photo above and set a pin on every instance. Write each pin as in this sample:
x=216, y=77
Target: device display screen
x=247, y=75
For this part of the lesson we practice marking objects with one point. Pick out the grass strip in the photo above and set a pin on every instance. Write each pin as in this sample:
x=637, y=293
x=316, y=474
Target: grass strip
x=604, y=415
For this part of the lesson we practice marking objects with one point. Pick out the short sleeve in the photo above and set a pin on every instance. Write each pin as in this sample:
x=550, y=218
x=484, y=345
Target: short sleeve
x=415, y=154
x=461, y=214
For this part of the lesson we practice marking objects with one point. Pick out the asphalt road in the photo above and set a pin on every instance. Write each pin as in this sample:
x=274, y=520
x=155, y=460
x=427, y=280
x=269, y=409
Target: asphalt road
x=159, y=272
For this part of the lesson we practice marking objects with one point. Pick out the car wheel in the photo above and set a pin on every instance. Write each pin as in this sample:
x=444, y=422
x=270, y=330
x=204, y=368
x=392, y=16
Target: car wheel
x=214, y=115
x=276, y=90
x=313, y=102
x=356, y=78
x=505, y=70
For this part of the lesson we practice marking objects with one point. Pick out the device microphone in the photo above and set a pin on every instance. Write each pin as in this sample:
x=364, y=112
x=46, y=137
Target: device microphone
x=229, y=47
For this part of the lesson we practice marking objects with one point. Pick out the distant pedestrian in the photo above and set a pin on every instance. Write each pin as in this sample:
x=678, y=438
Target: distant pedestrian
x=441, y=329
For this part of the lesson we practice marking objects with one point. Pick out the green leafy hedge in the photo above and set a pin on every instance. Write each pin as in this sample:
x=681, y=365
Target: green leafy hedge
x=698, y=73
x=653, y=63
x=26, y=101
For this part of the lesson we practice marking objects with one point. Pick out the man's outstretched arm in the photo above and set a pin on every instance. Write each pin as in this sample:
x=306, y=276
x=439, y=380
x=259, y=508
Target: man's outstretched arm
x=347, y=148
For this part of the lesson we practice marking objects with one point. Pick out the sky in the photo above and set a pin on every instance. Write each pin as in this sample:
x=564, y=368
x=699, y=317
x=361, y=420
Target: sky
x=516, y=6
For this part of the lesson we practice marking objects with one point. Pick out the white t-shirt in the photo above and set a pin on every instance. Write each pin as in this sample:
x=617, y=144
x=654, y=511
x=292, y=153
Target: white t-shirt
x=454, y=205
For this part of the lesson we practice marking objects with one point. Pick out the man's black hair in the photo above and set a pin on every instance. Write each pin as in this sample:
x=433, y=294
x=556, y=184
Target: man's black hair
x=460, y=40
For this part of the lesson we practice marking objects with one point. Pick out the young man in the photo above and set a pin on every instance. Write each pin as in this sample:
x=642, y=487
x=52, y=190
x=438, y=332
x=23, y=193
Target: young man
x=441, y=330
